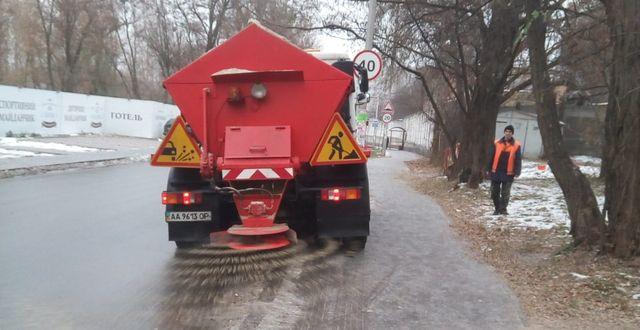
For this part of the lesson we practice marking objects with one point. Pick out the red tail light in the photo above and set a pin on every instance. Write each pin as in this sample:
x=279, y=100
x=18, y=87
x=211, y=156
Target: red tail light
x=185, y=198
x=338, y=194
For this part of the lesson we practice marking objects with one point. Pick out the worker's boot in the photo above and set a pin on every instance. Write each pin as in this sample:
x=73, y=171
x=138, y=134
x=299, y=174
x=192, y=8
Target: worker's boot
x=495, y=196
x=504, y=197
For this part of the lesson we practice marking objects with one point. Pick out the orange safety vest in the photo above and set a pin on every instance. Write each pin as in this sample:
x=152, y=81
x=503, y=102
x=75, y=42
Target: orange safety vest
x=505, y=147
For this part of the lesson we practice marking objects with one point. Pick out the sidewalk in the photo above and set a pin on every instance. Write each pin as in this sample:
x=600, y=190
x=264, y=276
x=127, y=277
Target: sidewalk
x=38, y=153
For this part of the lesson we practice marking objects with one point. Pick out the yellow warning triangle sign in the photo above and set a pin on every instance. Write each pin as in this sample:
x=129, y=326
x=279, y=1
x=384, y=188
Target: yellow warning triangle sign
x=337, y=146
x=178, y=149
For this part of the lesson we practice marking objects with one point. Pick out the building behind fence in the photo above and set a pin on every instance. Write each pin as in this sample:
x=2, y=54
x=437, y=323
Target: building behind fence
x=419, y=133
x=46, y=113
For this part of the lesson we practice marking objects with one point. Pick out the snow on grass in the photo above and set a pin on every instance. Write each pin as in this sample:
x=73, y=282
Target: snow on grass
x=589, y=166
x=6, y=153
x=534, y=203
x=25, y=143
x=531, y=170
x=536, y=198
x=579, y=276
x=587, y=160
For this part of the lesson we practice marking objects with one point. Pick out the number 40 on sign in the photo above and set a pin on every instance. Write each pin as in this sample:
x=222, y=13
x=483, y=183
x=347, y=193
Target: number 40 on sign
x=370, y=61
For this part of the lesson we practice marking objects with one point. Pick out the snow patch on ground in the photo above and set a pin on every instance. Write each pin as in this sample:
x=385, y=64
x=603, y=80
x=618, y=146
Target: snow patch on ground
x=536, y=198
x=532, y=204
x=6, y=153
x=589, y=166
x=579, y=276
x=587, y=160
x=22, y=143
x=140, y=158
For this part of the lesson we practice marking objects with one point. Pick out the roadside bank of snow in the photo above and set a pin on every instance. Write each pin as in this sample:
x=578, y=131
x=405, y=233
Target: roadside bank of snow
x=26, y=143
x=7, y=153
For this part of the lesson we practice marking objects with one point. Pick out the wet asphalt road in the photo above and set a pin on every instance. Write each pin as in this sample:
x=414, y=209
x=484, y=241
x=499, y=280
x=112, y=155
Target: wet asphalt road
x=87, y=249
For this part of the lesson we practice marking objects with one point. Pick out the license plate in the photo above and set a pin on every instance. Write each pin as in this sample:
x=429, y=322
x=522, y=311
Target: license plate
x=187, y=216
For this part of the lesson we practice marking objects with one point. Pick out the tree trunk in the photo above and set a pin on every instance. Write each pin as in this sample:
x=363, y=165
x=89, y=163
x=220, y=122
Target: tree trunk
x=436, y=153
x=477, y=137
x=622, y=151
x=587, y=226
x=46, y=21
x=496, y=57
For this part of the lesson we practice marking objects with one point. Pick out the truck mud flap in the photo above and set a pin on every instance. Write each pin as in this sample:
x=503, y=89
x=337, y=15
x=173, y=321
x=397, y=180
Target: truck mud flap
x=343, y=219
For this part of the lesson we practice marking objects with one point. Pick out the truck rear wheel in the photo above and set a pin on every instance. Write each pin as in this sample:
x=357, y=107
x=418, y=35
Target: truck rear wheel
x=183, y=245
x=355, y=244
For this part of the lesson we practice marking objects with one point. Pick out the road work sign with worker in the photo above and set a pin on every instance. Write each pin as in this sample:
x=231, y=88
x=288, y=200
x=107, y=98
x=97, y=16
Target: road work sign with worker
x=337, y=145
x=177, y=149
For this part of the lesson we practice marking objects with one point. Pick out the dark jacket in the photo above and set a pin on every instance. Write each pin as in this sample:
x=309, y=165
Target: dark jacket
x=501, y=172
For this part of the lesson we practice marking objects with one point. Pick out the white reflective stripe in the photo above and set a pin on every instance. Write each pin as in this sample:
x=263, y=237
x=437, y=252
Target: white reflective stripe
x=269, y=173
x=289, y=170
x=246, y=174
x=224, y=173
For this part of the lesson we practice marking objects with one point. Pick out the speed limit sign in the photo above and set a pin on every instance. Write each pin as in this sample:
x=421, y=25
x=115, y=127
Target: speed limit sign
x=370, y=61
x=387, y=118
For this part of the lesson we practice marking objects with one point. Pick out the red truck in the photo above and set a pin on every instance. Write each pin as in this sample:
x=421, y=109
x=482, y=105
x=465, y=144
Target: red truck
x=263, y=147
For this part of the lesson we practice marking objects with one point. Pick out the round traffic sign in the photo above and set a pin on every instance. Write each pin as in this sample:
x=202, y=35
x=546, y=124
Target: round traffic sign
x=370, y=61
x=387, y=118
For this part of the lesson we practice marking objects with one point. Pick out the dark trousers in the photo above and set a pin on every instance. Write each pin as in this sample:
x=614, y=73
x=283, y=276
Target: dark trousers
x=500, y=193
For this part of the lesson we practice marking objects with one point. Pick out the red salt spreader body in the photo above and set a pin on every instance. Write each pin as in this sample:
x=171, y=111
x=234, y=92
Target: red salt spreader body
x=263, y=146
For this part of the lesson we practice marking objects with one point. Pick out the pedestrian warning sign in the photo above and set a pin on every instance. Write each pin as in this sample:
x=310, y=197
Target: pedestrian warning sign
x=178, y=149
x=337, y=146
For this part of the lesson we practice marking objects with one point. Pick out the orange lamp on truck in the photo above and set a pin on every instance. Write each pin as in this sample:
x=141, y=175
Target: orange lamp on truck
x=263, y=146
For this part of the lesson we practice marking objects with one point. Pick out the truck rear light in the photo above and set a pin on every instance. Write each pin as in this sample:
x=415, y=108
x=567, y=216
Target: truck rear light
x=185, y=198
x=169, y=198
x=338, y=194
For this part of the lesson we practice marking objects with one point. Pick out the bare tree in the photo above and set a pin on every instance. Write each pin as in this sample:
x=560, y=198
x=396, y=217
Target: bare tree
x=622, y=126
x=47, y=14
x=75, y=21
x=587, y=226
x=127, y=36
x=204, y=20
x=279, y=16
x=4, y=33
x=473, y=45
x=164, y=37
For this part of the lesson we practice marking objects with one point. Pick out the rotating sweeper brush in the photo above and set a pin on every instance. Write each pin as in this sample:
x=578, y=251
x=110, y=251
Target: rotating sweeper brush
x=263, y=146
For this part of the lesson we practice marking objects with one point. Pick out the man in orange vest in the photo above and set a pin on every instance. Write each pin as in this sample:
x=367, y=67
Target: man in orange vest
x=505, y=164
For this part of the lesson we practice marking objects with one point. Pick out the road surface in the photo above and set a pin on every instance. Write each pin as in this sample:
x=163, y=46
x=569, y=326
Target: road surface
x=87, y=249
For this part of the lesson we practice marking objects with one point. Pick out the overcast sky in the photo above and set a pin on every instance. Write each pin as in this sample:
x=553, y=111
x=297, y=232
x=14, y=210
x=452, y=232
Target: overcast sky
x=331, y=42
x=335, y=41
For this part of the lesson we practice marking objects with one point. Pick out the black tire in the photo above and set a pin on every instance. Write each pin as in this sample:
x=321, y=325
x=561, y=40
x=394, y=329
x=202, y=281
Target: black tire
x=182, y=245
x=355, y=244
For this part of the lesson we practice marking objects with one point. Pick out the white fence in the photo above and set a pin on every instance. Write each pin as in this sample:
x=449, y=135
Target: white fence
x=419, y=133
x=26, y=110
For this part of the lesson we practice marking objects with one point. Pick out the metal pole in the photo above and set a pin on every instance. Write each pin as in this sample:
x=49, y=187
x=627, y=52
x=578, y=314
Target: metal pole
x=377, y=106
x=370, y=22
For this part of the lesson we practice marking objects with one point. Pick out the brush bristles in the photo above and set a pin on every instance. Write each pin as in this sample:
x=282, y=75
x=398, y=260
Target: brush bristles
x=215, y=270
